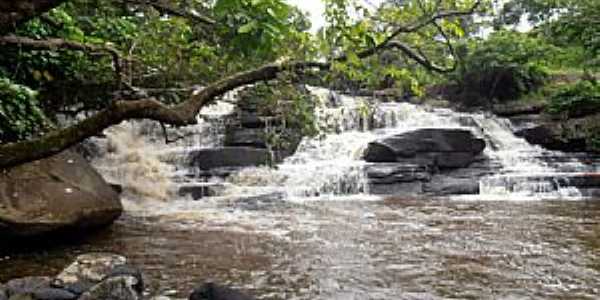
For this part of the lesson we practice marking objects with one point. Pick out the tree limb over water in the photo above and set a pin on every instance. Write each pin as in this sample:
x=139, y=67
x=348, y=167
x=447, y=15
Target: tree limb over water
x=185, y=113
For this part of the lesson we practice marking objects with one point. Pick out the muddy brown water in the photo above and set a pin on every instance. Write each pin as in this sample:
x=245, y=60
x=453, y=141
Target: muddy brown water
x=393, y=249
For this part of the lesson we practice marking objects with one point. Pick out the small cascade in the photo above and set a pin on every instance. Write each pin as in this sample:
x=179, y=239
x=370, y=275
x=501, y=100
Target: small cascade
x=525, y=173
x=147, y=166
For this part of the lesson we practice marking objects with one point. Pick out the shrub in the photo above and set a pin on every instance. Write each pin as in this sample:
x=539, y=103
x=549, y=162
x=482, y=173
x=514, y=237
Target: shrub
x=20, y=115
x=503, y=67
x=576, y=100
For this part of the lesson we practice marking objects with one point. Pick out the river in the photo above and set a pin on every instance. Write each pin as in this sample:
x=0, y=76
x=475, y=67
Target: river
x=316, y=232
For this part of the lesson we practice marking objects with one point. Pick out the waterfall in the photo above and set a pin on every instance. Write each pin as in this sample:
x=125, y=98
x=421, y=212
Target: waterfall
x=330, y=164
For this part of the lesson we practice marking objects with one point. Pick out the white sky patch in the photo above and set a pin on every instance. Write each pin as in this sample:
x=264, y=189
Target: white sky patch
x=316, y=10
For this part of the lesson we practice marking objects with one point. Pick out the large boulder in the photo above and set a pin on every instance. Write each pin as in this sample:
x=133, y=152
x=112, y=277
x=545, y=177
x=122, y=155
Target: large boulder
x=434, y=147
x=56, y=193
x=206, y=159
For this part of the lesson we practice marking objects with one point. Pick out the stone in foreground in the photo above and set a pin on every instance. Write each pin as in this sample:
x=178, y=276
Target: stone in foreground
x=59, y=192
x=212, y=291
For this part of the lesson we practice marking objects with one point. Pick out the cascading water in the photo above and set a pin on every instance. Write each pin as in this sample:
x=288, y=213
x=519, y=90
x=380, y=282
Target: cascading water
x=330, y=164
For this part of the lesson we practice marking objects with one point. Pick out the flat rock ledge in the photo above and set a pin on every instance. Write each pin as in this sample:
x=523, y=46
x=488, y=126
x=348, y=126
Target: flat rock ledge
x=101, y=276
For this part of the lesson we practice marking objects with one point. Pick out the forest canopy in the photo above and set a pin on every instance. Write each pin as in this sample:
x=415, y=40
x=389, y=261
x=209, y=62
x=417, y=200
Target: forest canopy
x=166, y=59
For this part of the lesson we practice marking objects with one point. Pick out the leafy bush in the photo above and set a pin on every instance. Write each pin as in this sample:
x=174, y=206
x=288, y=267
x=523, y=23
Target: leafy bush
x=502, y=67
x=20, y=116
x=576, y=100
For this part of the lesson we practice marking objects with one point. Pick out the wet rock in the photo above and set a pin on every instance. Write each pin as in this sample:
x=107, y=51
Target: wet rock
x=517, y=109
x=3, y=292
x=21, y=297
x=445, y=186
x=114, y=288
x=572, y=135
x=386, y=173
x=261, y=201
x=27, y=285
x=88, y=270
x=550, y=136
x=207, y=159
x=401, y=188
x=435, y=147
x=35, y=288
x=246, y=137
x=129, y=270
x=68, y=194
x=53, y=294
x=200, y=190
x=212, y=291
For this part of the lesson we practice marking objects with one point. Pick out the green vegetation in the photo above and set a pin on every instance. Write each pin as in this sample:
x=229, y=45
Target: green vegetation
x=97, y=55
x=576, y=100
x=20, y=116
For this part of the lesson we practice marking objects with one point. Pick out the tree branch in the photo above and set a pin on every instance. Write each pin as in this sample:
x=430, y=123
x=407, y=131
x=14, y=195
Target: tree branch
x=55, y=44
x=185, y=113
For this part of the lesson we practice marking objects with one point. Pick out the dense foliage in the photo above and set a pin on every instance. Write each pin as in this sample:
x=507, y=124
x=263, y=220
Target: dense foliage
x=576, y=100
x=131, y=49
x=20, y=116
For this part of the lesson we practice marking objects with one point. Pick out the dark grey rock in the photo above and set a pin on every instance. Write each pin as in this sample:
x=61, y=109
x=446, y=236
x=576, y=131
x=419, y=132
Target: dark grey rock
x=129, y=270
x=212, y=291
x=53, y=294
x=402, y=188
x=246, y=137
x=451, y=160
x=68, y=194
x=114, y=288
x=27, y=285
x=207, y=159
x=444, y=148
x=21, y=297
x=3, y=292
x=200, y=190
x=386, y=173
x=444, y=186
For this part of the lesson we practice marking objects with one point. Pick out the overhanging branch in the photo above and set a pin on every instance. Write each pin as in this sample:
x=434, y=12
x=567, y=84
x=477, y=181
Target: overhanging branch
x=57, y=44
x=185, y=113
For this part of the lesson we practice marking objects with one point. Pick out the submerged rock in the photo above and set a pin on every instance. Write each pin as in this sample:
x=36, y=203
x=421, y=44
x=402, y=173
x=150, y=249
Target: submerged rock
x=212, y=291
x=68, y=194
x=435, y=147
